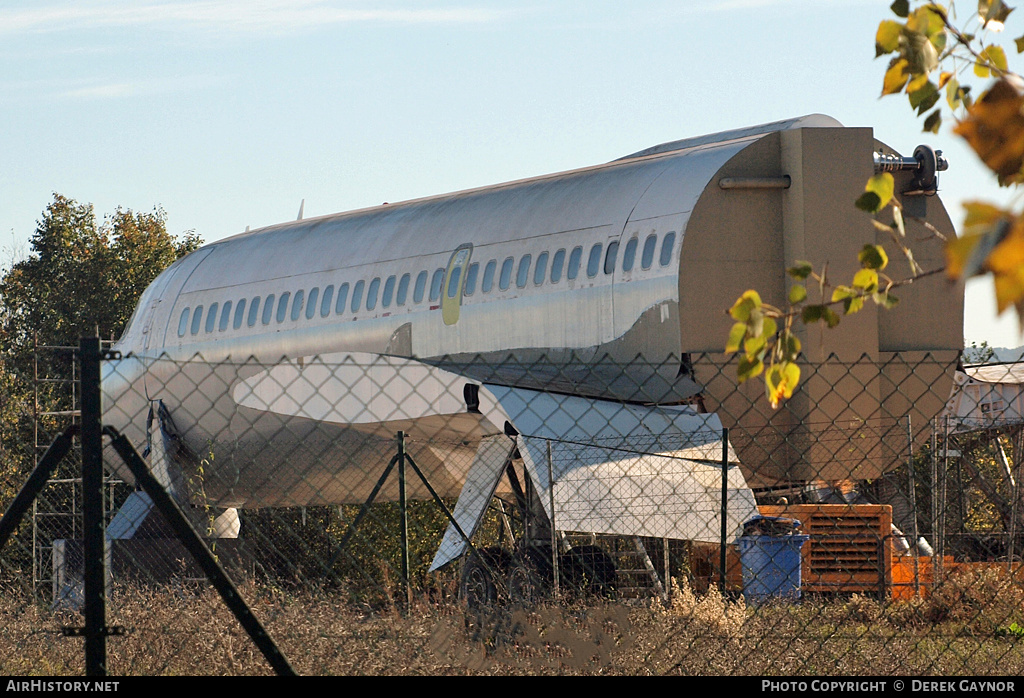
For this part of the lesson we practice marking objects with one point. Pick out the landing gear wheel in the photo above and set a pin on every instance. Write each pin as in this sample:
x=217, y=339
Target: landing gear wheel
x=477, y=586
x=525, y=585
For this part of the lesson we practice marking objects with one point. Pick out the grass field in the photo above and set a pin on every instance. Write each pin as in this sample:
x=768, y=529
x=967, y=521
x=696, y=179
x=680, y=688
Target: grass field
x=972, y=625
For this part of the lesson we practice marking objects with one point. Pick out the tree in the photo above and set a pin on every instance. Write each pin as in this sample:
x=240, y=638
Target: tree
x=80, y=276
x=77, y=277
x=934, y=59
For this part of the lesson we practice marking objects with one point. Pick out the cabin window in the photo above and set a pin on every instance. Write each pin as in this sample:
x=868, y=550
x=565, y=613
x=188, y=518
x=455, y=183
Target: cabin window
x=403, y=289
x=371, y=293
x=357, y=296
x=541, y=269
x=594, y=261
x=314, y=294
x=506, y=274
x=557, y=262
x=339, y=307
x=453, y=281
x=488, y=282
x=282, y=306
x=435, y=285
x=183, y=323
x=254, y=311
x=325, y=302
x=239, y=314
x=211, y=317
x=629, y=254
x=197, y=319
x=421, y=287
x=666, y=249
x=471, y=274
x=647, y=258
x=609, y=259
x=268, y=310
x=523, y=274
x=389, y=292
x=574, y=263
x=300, y=296
x=225, y=316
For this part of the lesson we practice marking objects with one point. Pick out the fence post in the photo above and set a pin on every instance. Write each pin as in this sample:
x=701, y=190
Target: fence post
x=403, y=503
x=556, y=582
x=914, y=536
x=725, y=506
x=90, y=354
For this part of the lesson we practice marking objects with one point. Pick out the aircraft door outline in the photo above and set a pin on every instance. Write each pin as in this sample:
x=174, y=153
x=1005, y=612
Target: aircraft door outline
x=454, y=281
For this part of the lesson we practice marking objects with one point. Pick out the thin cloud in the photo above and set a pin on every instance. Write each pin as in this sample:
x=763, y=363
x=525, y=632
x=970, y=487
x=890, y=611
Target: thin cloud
x=229, y=15
x=116, y=90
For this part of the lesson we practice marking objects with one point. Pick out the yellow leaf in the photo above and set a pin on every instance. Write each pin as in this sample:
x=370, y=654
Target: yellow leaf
x=944, y=77
x=994, y=128
x=958, y=252
x=745, y=305
x=895, y=77
x=780, y=382
x=736, y=335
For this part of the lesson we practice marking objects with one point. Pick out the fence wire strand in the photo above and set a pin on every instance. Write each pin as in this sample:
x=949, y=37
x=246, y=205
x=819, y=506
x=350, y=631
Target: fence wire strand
x=383, y=515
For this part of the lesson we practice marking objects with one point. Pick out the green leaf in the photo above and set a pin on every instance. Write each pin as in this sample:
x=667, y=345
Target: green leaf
x=887, y=38
x=748, y=369
x=877, y=193
x=866, y=280
x=953, y=93
x=1020, y=44
x=991, y=59
x=873, y=257
x=736, y=335
x=933, y=122
x=830, y=317
x=792, y=346
x=900, y=8
x=869, y=201
x=745, y=305
x=754, y=347
x=922, y=94
x=797, y=294
x=811, y=314
x=801, y=270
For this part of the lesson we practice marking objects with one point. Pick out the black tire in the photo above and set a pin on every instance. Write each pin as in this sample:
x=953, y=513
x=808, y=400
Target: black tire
x=477, y=587
x=529, y=576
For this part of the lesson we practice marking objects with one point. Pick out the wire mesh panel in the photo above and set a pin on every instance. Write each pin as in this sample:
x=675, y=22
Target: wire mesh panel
x=385, y=515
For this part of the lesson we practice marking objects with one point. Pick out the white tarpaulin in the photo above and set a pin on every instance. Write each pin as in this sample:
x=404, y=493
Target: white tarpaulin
x=622, y=469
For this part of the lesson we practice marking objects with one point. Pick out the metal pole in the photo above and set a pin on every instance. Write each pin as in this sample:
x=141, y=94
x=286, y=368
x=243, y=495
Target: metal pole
x=188, y=537
x=913, y=508
x=403, y=503
x=554, y=537
x=944, y=507
x=90, y=354
x=725, y=507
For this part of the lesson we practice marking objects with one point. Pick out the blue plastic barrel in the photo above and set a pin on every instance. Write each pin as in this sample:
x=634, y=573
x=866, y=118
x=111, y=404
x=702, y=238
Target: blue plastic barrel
x=771, y=566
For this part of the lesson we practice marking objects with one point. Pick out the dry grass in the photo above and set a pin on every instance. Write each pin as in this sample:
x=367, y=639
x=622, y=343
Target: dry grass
x=962, y=629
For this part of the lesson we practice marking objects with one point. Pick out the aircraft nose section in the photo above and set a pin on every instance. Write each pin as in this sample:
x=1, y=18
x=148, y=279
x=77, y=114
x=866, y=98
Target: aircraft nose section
x=125, y=403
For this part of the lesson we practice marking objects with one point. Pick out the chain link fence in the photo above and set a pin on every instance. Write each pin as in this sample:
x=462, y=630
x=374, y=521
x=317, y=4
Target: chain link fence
x=378, y=515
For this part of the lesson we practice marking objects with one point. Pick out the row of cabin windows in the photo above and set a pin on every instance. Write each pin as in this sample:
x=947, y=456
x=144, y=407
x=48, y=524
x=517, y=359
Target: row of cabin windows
x=293, y=307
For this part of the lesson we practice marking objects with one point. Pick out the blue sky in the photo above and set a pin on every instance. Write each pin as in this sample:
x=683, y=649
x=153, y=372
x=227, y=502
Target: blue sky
x=228, y=113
